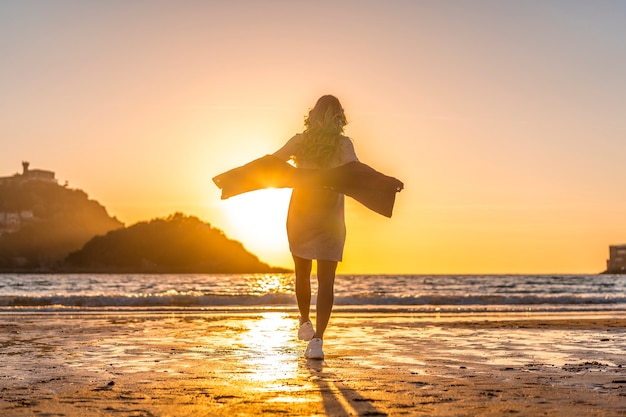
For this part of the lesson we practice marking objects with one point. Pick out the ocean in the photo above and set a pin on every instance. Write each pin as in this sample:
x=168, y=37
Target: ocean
x=418, y=293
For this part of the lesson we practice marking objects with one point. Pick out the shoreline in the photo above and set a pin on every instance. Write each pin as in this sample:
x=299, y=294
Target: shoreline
x=250, y=363
x=417, y=311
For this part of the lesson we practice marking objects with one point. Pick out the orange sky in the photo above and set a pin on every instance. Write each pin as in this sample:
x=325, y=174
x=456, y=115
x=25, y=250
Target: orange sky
x=505, y=120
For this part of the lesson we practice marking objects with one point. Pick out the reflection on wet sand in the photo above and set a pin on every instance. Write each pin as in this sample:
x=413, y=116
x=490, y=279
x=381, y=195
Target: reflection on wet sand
x=269, y=348
x=251, y=363
x=273, y=357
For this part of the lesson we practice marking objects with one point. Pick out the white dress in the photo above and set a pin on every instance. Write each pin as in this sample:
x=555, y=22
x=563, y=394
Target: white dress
x=316, y=226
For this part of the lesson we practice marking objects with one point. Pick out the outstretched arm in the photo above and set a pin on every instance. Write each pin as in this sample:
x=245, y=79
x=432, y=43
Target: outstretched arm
x=288, y=150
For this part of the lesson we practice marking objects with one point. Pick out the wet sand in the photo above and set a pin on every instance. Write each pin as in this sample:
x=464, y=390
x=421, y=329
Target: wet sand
x=250, y=363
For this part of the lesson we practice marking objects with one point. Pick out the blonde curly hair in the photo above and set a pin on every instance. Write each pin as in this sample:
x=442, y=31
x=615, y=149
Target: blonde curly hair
x=323, y=127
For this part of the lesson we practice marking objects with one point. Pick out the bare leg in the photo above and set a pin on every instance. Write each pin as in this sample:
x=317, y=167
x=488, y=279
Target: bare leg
x=325, y=295
x=303, y=286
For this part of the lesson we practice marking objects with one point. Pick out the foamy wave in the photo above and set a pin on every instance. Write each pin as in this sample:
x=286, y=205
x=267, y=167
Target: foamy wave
x=198, y=300
x=486, y=300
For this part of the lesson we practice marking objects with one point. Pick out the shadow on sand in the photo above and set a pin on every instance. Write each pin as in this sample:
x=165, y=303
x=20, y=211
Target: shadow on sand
x=338, y=399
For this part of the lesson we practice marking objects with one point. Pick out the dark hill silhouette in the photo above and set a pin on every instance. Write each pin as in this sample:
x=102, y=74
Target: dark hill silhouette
x=177, y=244
x=41, y=222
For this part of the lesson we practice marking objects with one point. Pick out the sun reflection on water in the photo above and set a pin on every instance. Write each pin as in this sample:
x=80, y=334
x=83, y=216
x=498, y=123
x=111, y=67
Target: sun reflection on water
x=270, y=284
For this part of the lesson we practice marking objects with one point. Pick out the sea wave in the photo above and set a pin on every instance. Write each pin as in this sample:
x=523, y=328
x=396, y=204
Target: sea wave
x=278, y=299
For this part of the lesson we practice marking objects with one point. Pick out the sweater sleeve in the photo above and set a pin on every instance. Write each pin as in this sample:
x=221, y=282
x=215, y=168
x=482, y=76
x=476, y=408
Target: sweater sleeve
x=346, y=152
x=288, y=150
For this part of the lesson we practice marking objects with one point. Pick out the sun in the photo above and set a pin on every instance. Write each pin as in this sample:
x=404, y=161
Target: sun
x=258, y=218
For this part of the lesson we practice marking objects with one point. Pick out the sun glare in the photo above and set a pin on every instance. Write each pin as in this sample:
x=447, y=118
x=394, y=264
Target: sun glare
x=270, y=336
x=258, y=218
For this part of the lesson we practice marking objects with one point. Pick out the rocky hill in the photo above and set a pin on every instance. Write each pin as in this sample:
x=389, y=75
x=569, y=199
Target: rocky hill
x=177, y=244
x=42, y=221
x=46, y=227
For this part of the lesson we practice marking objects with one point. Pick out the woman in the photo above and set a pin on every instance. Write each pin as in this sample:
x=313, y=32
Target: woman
x=315, y=221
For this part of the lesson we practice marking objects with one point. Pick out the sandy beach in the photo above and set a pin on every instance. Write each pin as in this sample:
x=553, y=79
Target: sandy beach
x=211, y=363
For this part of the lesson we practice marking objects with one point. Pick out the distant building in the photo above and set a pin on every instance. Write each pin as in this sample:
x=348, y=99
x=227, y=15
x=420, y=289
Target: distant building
x=616, y=263
x=30, y=175
x=36, y=174
x=12, y=221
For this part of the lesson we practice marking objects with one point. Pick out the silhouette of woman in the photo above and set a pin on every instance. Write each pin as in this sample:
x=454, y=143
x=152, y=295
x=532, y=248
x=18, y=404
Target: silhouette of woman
x=315, y=222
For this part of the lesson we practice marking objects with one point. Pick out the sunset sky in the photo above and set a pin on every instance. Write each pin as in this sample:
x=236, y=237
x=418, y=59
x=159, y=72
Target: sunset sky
x=506, y=120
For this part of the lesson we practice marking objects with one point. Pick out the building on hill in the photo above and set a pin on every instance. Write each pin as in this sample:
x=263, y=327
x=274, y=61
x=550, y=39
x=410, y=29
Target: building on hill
x=30, y=175
x=616, y=264
x=36, y=174
x=13, y=220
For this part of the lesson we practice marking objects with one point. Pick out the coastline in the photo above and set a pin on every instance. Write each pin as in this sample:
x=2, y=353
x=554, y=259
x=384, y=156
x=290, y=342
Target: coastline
x=249, y=363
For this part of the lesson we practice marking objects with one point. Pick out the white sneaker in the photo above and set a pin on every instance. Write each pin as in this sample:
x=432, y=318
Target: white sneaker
x=306, y=331
x=314, y=349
